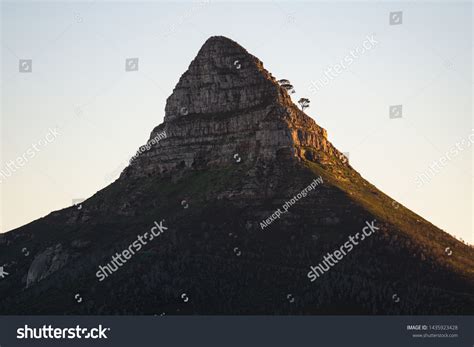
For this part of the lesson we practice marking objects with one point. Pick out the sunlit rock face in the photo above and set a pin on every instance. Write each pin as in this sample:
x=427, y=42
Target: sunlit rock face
x=227, y=106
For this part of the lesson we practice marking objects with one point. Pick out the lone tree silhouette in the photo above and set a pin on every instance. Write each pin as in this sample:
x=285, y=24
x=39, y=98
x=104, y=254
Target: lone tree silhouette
x=287, y=85
x=304, y=103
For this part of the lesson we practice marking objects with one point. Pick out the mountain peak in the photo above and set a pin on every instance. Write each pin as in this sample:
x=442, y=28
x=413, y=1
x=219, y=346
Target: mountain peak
x=219, y=42
x=228, y=104
x=223, y=78
x=233, y=154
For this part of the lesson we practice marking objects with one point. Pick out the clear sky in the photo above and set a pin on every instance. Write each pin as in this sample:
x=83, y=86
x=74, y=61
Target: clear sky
x=79, y=84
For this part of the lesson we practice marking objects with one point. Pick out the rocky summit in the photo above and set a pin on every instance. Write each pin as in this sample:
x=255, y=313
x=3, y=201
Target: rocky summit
x=236, y=204
x=228, y=104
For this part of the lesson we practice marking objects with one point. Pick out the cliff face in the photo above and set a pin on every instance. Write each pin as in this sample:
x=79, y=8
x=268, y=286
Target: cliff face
x=232, y=151
x=226, y=104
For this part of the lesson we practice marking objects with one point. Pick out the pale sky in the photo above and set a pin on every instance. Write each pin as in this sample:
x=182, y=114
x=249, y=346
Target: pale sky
x=79, y=84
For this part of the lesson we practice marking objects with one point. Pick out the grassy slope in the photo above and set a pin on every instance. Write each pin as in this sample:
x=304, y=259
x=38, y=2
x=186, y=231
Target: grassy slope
x=432, y=240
